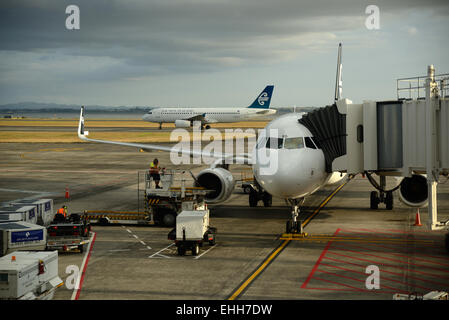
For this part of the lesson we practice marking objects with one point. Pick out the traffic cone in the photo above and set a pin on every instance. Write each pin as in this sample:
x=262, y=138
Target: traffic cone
x=67, y=196
x=417, y=219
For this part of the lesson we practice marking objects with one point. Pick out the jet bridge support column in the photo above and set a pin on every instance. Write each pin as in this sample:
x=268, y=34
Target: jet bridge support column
x=432, y=166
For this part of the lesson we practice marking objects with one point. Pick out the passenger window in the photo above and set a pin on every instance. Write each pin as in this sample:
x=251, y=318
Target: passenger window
x=274, y=143
x=294, y=143
x=309, y=143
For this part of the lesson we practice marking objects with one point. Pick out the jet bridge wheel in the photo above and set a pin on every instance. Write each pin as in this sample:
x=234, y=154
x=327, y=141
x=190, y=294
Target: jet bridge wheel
x=374, y=200
x=447, y=242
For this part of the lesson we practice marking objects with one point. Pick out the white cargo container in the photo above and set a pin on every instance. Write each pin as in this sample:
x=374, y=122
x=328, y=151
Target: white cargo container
x=192, y=229
x=29, y=275
x=28, y=212
x=15, y=236
x=44, y=209
x=10, y=216
x=192, y=225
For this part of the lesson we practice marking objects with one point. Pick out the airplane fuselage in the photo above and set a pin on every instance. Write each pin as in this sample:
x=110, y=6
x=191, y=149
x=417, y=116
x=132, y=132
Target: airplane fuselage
x=209, y=115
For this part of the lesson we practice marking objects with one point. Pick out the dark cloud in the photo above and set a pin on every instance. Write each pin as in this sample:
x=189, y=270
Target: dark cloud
x=183, y=35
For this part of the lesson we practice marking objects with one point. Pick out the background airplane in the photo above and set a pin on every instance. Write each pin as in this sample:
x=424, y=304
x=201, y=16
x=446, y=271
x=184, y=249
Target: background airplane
x=184, y=117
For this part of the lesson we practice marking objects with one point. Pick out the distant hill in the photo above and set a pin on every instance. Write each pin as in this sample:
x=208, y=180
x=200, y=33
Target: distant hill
x=54, y=107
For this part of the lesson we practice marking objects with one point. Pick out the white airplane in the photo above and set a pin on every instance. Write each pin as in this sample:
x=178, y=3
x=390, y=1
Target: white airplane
x=185, y=117
x=287, y=162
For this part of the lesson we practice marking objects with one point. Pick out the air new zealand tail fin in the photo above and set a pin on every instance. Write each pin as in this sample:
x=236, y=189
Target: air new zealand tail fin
x=263, y=100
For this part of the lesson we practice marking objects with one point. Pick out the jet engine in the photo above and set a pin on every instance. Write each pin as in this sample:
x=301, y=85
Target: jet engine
x=182, y=123
x=413, y=191
x=219, y=180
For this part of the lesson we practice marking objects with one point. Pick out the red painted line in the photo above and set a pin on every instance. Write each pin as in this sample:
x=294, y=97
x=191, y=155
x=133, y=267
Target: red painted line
x=442, y=257
x=382, y=277
x=385, y=271
x=349, y=290
x=394, y=254
x=323, y=253
x=350, y=278
x=83, y=273
x=396, y=260
x=415, y=231
x=387, y=265
x=373, y=233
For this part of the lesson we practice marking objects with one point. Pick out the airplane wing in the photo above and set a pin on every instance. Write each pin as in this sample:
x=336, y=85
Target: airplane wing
x=82, y=134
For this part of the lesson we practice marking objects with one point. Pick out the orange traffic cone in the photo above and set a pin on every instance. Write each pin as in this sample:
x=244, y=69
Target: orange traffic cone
x=417, y=219
x=67, y=196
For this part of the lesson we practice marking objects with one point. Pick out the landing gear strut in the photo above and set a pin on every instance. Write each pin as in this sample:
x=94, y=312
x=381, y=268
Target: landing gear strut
x=294, y=225
x=381, y=196
x=160, y=126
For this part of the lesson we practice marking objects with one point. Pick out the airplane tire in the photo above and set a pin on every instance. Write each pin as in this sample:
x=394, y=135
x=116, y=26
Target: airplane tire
x=267, y=199
x=288, y=227
x=253, y=199
x=169, y=219
x=374, y=200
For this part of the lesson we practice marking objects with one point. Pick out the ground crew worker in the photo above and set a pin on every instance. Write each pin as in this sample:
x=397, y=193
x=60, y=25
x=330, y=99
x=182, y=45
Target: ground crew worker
x=63, y=211
x=154, y=172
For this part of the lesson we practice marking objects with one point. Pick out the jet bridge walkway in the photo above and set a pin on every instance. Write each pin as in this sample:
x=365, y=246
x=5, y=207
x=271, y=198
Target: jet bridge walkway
x=407, y=138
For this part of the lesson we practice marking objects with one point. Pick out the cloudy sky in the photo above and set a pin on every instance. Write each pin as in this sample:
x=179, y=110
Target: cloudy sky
x=214, y=52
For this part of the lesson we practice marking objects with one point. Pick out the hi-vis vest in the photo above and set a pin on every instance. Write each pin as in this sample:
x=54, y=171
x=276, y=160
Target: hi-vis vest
x=61, y=211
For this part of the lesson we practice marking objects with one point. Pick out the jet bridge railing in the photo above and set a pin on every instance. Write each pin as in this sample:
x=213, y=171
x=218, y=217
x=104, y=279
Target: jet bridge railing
x=415, y=87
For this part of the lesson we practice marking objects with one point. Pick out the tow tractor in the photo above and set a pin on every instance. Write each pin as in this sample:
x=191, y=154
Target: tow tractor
x=69, y=233
x=192, y=230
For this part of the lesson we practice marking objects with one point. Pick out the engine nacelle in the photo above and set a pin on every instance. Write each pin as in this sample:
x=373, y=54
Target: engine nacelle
x=218, y=179
x=413, y=191
x=182, y=123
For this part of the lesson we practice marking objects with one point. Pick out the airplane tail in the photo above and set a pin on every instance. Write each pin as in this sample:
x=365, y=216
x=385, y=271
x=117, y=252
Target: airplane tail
x=263, y=99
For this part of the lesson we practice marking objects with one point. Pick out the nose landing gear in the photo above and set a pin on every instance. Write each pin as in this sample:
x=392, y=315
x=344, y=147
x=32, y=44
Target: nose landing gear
x=294, y=225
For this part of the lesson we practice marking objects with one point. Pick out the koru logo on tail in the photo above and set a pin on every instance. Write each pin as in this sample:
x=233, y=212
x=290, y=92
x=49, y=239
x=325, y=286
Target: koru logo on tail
x=262, y=98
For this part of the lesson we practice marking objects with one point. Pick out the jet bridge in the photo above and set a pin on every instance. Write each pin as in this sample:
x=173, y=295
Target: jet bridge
x=407, y=138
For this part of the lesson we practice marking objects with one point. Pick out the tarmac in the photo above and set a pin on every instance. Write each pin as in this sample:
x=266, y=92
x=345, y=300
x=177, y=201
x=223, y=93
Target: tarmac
x=253, y=258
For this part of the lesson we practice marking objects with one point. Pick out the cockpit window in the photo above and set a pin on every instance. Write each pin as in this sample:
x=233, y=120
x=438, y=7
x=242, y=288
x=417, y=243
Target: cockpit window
x=150, y=112
x=274, y=143
x=294, y=143
x=261, y=142
x=309, y=143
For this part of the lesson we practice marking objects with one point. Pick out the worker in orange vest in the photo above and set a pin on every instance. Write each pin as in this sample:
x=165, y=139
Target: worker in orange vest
x=63, y=211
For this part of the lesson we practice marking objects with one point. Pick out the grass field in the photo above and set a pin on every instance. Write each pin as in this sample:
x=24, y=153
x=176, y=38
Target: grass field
x=116, y=123
x=152, y=136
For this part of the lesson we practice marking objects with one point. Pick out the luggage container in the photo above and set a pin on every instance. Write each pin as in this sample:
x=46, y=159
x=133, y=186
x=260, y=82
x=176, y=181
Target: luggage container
x=192, y=230
x=20, y=236
x=10, y=216
x=28, y=212
x=29, y=275
x=44, y=207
